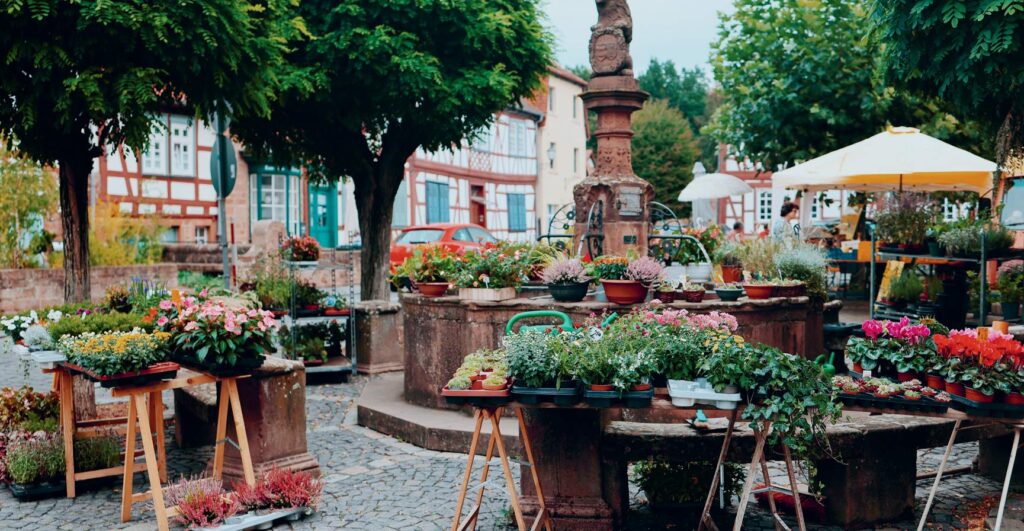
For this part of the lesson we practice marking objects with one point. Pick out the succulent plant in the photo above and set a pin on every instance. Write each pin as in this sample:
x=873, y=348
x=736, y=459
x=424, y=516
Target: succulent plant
x=692, y=287
x=494, y=381
x=912, y=395
x=459, y=383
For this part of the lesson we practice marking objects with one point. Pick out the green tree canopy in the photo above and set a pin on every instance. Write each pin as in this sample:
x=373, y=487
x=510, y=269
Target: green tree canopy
x=684, y=88
x=800, y=79
x=391, y=76
x=79, y=76
x=968, y=52
x=664, y=150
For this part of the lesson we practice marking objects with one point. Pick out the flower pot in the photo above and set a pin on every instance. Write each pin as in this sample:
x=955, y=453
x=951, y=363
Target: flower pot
x=759, y=292
x=487, y=387
x=905, y=376
x=1015, y=399
x=955, y=389
x=978, y=396
x=729, y=295
x=336, y=312
x=641, y=387
x=487, y=294
x=935, y=249
x=666, y=297
x=798, y=290
x=905, y=397
x=279, y=313
x=624, y=291
x=694, y=296
x=935, y=382
x=569, y=292
x=732, y=273
x=601, y=387
x=1011, y=311
x=432, y=289
x=699, y=272
x=857, y=367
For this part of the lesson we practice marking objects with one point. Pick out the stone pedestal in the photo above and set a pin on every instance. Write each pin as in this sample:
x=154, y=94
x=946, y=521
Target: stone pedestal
x=875, y=486
x=274, y=407
x=380, y=342
x=994, y=455
x=566, y=448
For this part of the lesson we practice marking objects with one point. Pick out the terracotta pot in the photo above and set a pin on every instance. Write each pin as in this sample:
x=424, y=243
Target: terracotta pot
x=857, y=367
x=905, y=376
x=666, y=296
x=905, y=397
x=641, y=387
x=935, y=382
x=624, y=291
x=493, y=387
x=954, y=388
x=1015, y=399
x=694, y=296
x=758, y=292
x=477, y=385
x=601, y=387
x=978, y=396
x=311, y=307
x=432, y=289
x=731, y=274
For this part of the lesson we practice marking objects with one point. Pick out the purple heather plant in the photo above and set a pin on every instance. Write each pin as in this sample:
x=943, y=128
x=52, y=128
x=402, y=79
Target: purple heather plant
x=647, y=270
x=565, y=271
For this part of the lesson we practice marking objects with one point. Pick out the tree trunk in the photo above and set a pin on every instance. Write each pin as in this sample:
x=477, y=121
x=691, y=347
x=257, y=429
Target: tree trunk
x=74, y=207
x=375, y=203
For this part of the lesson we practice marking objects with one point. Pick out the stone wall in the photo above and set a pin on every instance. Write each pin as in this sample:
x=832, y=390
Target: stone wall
x=26, y=289
x=440, y=332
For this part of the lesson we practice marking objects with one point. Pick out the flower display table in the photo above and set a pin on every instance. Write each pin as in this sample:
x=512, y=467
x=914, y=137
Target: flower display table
x=142, y=402
x=492, y=413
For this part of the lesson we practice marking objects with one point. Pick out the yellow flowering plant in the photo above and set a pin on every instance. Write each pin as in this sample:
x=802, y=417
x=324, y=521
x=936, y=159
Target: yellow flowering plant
x=113, y=353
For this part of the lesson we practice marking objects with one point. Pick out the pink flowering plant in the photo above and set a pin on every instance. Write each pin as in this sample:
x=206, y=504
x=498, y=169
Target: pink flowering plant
x=500, y=266
x=216, y=333
x=890, y=347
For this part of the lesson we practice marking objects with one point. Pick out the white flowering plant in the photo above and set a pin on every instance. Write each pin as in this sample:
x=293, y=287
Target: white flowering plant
x=14, y=326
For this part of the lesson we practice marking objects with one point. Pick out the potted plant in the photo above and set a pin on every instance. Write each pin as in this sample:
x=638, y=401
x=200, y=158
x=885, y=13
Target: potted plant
x=666, y=292
x=119, y=358
x=807, y=264
x=729, y=292
x=632, y=377
x=302, y=251
x=1010, y=283
x=493, y=273
x=494, y=383
x=697, y=258
x=963, y=239
x=567, y=280
x=35, y=466
x=430, y=269
x=693, y=292
x=790, y=288
x=728, y=256
x=201, y=502
x=335, y=305
x=272, y=285
x=611, y=271
x=759, y=289
x=477, y=368
x=904, y=289
x=903, y=222
x=308, y=298
x=220, y=336
x=37, y=338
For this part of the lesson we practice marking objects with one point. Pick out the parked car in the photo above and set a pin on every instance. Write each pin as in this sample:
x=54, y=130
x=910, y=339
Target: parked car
x=458, y=237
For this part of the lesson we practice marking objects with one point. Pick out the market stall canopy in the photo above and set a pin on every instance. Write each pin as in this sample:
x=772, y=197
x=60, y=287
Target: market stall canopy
x=898, y=158
x=714, y=186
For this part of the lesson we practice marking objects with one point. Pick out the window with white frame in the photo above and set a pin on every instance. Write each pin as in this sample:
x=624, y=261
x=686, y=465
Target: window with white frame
x=183, y=147
x=575, y=161
x=575, y=106
x=277, y=198
x=154, y=159
x=764, y=206
x=202, y=235
x=952, y=211
x=552, y=155
x=551, y=98
x=815, y=207
x=517, y=138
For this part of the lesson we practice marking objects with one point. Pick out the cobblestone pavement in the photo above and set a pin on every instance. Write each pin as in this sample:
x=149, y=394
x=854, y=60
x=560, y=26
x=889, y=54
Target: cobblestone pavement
x=380, y=483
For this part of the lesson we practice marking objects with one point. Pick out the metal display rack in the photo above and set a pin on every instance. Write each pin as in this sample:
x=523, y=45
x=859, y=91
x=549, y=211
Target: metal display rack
x=337, y=369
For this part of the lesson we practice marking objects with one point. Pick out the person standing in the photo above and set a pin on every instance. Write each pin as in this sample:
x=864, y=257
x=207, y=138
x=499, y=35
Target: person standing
x=783, y=227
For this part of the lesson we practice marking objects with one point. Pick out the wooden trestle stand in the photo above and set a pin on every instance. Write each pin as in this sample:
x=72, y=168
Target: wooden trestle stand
x=543, y=519
x=146, y=410
x=493, y=414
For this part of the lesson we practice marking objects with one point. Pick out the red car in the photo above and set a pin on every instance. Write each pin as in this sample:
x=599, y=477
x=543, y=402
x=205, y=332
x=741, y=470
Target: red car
x=458, y=237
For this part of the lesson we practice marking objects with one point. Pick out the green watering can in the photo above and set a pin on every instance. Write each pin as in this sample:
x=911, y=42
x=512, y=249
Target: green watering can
x=827, y=365
x=565, y=326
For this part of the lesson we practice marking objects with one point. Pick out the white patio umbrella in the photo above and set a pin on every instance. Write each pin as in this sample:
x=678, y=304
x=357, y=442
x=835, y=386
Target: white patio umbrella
x=714, y=186
x=895, y=159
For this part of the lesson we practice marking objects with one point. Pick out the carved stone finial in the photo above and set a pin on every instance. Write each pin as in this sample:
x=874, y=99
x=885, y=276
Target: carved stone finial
x=610, y=38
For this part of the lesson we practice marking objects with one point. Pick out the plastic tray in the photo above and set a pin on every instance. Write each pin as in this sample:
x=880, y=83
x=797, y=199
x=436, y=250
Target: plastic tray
x=259, y=521
x=477, y=397
x=164, y=370
x=687, y=394
x=992, y=410
x=924, y=404
x=563, y=396
x=38, y=491
x=631, y=399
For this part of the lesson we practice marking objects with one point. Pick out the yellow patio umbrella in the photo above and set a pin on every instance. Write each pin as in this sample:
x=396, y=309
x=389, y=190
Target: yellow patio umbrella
x=900, y=158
